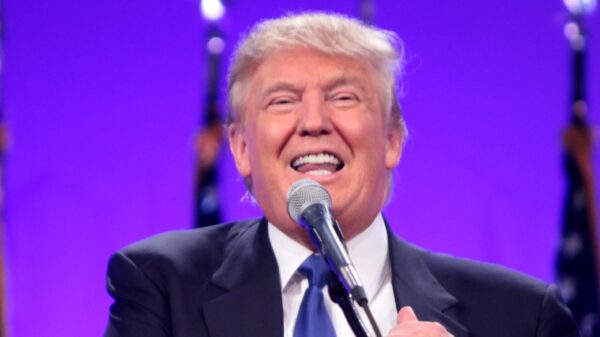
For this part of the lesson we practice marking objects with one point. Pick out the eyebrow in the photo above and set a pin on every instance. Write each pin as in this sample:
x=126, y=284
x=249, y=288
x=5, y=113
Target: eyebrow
x=333, y=82
x=343, y=79
x=280, y=86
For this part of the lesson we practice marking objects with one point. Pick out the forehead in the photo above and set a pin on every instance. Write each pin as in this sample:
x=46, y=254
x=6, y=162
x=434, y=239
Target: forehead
x=308, y=66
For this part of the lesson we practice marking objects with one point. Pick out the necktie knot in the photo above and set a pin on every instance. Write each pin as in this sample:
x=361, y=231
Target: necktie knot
x=315, y=270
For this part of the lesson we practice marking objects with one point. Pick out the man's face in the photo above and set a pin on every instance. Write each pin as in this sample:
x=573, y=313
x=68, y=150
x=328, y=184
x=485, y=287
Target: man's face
x=317, y=116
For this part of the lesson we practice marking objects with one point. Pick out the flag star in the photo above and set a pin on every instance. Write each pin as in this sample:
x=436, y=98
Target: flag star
x=579, y=200
x=588, y=322
x=568, y=288
x=572, y=245
x=210, y=202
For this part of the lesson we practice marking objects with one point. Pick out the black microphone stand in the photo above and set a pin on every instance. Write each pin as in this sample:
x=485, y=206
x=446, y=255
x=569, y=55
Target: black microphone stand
x=339, y=295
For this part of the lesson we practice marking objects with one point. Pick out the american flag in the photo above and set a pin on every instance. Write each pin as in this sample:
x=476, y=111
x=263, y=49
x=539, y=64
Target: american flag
x=209, y=139
x=578, y=263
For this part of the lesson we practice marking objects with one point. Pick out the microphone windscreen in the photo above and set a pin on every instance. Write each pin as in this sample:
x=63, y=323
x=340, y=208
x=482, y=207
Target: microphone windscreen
x=303, y=193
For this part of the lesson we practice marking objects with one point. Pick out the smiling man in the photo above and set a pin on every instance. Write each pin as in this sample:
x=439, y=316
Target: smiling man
x=313, y=96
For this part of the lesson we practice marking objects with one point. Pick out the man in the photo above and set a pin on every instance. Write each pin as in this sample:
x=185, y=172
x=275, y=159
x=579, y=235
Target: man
x=313, y=96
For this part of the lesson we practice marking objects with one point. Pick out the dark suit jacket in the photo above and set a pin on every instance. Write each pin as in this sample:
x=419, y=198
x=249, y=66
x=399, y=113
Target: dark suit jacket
x=223, y=281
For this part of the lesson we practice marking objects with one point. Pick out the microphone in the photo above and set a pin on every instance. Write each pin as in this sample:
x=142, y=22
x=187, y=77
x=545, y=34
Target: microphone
x=309, y=205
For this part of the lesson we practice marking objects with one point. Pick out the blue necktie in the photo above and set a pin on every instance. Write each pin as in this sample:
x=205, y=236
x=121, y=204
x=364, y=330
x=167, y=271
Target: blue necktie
x=313, y=319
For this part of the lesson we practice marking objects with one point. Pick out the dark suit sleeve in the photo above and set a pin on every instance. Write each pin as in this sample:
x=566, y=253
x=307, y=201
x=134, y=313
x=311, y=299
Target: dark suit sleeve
x=555, y=318
x=140, y=308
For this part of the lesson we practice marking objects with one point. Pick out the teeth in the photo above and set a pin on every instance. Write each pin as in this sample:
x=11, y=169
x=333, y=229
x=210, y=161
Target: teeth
x=319, y=172
x=321, y=158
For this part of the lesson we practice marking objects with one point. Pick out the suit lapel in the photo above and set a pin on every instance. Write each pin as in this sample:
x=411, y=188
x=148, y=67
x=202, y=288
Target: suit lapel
x=248, y=300
x=248, y=290
x=416, y=286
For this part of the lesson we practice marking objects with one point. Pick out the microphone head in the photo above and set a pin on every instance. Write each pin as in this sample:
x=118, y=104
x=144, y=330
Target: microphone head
x=303, y=193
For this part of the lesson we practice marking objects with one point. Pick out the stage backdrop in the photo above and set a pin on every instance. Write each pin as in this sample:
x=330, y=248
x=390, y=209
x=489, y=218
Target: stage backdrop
x=103, y=97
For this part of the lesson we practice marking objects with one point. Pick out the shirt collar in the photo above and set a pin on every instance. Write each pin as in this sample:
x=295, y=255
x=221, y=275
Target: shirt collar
x=368, y=251
x=289, y=253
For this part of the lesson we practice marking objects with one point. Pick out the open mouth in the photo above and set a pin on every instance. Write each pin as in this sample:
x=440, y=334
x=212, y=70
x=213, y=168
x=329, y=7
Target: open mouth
x=318, y=164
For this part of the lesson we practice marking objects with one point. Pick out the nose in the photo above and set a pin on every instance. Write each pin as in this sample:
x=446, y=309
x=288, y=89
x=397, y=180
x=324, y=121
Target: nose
x=314, y=117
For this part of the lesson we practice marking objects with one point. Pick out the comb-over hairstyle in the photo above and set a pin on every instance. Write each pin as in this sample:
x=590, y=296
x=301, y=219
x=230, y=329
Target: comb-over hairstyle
x=329, y=33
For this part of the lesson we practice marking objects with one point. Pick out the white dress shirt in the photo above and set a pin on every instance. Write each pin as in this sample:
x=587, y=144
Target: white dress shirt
x=369, y=253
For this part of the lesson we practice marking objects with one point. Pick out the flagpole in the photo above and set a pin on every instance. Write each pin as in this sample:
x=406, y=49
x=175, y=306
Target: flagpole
x=210, y=135
x=3, y=143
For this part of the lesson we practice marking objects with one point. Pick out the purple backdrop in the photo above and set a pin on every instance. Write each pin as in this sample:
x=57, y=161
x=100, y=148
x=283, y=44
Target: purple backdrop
x=102, y=101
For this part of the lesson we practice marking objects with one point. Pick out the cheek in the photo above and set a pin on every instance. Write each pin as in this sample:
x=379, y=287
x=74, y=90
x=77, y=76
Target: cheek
x=371, y=150
x=269, y=137
x=365, y=133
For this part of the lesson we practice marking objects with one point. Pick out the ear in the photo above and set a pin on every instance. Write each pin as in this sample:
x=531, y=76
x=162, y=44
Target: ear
x=239, y=149
x=393, y=151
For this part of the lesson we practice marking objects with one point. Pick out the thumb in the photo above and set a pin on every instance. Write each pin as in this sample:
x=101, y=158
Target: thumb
x=406, y=314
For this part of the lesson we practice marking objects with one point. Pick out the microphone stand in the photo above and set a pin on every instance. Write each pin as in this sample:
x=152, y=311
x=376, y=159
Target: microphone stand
x=339, y=295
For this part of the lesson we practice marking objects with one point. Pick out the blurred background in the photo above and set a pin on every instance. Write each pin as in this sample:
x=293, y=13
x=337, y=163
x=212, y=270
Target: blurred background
x=103, y=102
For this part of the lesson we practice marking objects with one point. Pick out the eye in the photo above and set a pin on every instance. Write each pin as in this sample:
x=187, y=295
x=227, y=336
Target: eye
x=345, y=97
x=345, y=100
x=280, y=101
x=281, y=104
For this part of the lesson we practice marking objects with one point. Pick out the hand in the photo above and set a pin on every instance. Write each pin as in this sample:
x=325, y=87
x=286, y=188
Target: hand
x=408, y=325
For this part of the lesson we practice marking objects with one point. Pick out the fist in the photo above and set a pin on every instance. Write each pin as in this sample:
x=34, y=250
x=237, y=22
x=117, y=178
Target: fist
x=408, y=325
